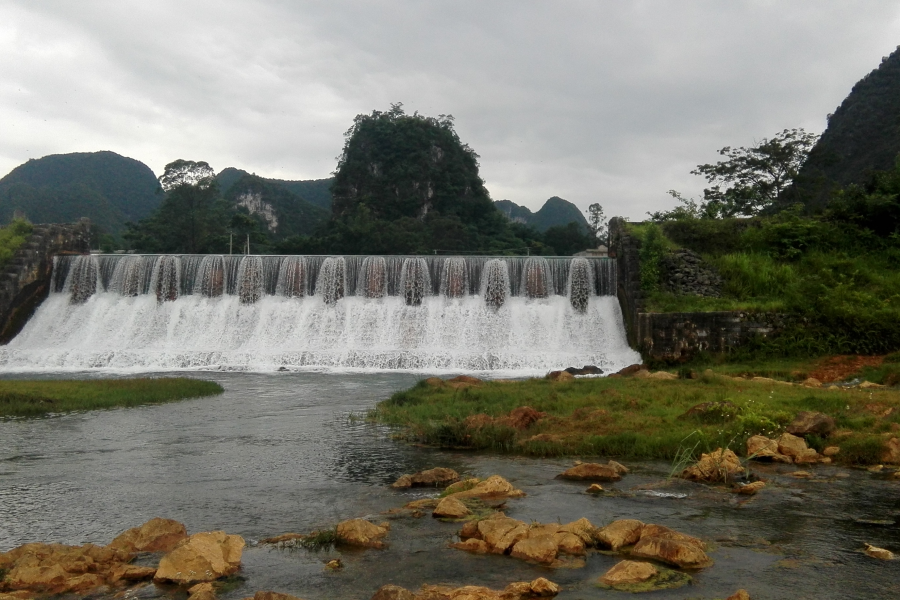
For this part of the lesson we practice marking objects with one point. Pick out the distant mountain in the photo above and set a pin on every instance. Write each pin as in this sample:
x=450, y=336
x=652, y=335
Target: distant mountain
x=863, y=135
x=314, y=191
x=282, y=212
x=555, y=211
x=106, y=187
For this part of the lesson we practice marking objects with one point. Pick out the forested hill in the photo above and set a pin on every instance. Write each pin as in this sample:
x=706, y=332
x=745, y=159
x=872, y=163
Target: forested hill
x=315, y=191
x=282, y=212
x=863, y=135
x=555, y=212
x=106, y=187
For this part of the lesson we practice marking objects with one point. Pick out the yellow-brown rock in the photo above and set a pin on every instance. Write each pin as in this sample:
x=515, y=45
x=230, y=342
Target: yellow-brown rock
x=879, y=553
x=436, y=477
x=393, y=592
x=808, y=456
x=791, y=445
x=661, y=532
x=501, y=533
x=751, y=488
x=451, y=508
x=592, y=472
x=671, y=551
x=760, y=447
x=514, y=591
x=539, y=548
x=273, y=596
x=740, y=594
x=629, y=571
x=543, y=587
x=202, y=557
x=494, y=487
x=811, y=422
x=582, y=528
x=126, y=572
x=811, y=382
x=719, y=465
x=663, y=375
x=202, y=591
x=831, y=451
x=156, y=535
x=359, y=532
x=57, y=568
x=560, y=376
x=474, y=545
x=595, y=488
x=619, y=534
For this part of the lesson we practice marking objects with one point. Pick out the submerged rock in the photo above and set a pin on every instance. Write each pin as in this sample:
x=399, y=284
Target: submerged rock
x=629, y=571
x=595, y=488
x=436, y=477
x=273, y=596
x=719, y=465
x=393, y=592
x=680, y=553
x=202, y=591
x=359, y=532
x=879, y=553
x=751, y=488
x=202, y=557
x=543, y=544
x=593, y=472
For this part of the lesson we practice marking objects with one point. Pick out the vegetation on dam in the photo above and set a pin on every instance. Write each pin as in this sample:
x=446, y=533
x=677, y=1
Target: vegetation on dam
x=26, y=398
x=636, y=418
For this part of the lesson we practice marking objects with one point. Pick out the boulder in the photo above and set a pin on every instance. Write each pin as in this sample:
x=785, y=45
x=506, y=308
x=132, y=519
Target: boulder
x=521, y=590
x=201, y=557
x=629, y=571
x=569, y=543
x=791, y=445
x=202, y=591
x=664, y=533
x=465, y=379
x=501, y=534
x=719, y=465
x=494, y=487
x=682, y=554
x=437, y=477
x=156, y=535
x=740, y=594
x=57, y=568
x=540, y=548
x=618, y=534
x=126, y=572
x=451, y=508
x=620, y=468
x=811, y=423
x=359, y=532
x=879, y=553
x=869, y=384
x=808, y=456
x=393, y=592
x=591, y=472
x=543, y=587
x=760, y=447
x=891, y=451
x=560, y=376
x=434, y=381
x=751, y=488
x=582, y=528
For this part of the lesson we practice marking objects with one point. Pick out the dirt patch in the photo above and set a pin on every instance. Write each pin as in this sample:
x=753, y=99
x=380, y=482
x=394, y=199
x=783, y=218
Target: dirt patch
x=841, y=368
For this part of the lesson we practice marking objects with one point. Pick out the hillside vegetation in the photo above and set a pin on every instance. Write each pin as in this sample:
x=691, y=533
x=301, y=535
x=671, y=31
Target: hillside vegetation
x=12, y=237
x=556, y=212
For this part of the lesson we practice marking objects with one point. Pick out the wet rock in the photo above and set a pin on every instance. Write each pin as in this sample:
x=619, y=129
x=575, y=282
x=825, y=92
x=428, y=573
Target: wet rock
x=759, y=447
x=521, y=590
x=582, y=528
x=663, y=375
x=592, y=472
x=664, y=533
x=284, y=537
x=739, y=595
x=585, y=370
x=595, y=488
x=791, y=445
x=437, y=477
x=560, y=376
x=131, y=573
x=751, y=488
x=541, y=548
x=891, y=451
x=879, y=553
x=620, y=533
x=202, y=591
x=502, y=533
x=393, y=592
x=801, y=474
x=629, y=571
x=719, y=465
x=811, y=423
x=543, y=587
x=57, y=568
x=809, y=456
x=156, y=535
x=451, y=508
x=474, y=545
x=359, y=532
x=831, y=451
x=334, y=564
x=201, y=557
x=494, y=487
x=620, y=468
x=629, y=371
x=682, y=554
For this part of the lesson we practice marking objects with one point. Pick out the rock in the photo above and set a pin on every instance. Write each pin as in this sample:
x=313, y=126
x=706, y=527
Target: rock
x=811, y=382
x=569, y=543
x=156, y=535
x=801, y=474
x=891, y=451
x=521, y=590
x=811, y=423
x=664, y=533
x=284, y=537
x=273, y=596
x=879, y=553
x=469, y=530
x=473, y=545
x=739, y=595
x=582, y=528
x=523, y=417
x=770, y=380
x=541, y=548
x=461, y=486
x=719, y=465
x=642, y=374
x=560, y=376
x=57, y=568
x=808, y=456
x=501, y=534
x=494, y=487
x=393, y=592
x=663, y=375
x=585, y=370
x=629, y=571
x=591, y=472
x=791, y=445
x=334, y=563
x=201, y=557
x=437, y=477
x=131, y=573
x=868, y=384
x=451, y=508
x=202, y=591
x=751, y=488
x=620, y=468
x=543, y=587
x=831, y=451
x=618, y=534
x=595, y=488
x=759, y=447
x=674, y=552
x=359, y=532
x=628, y=371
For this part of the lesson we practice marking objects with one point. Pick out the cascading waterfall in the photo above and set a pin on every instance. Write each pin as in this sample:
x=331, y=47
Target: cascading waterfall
x=505, y=315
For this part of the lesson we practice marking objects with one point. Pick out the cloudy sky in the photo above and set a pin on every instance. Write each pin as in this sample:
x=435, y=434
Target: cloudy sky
x=594, y=101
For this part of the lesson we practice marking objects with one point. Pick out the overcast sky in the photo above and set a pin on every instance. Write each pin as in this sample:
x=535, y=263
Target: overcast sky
x=594, y=101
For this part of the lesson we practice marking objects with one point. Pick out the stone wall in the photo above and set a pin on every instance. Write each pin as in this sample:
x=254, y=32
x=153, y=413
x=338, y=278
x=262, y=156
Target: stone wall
x=25, y=280
x=674, y=337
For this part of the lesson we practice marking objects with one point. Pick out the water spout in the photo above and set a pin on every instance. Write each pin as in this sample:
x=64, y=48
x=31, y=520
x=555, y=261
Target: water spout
x=210, y=280
x=581, y=284
x=332, y=280
x=372, y=279
x=82, y=282
x=250, y=279
x=495, y=283
x=415, y=282
x=536, y=277
x=166, y=277
x=292, y=277
x=455, y=277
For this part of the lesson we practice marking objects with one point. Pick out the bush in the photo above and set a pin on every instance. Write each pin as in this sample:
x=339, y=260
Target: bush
x=12, y=237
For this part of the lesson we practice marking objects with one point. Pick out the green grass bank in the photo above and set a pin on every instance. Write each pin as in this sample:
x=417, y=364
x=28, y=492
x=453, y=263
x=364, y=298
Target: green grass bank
x=35, y=398
x=635, y=418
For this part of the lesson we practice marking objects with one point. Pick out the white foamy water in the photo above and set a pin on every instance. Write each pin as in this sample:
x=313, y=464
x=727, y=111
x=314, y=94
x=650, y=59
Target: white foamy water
x=137, y=333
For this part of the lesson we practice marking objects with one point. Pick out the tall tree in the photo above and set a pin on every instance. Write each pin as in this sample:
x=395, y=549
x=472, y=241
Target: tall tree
x=597, y=221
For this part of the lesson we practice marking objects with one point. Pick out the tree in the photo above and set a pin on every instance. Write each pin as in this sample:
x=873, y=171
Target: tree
x=597, y=221
x=187, y=172
x=749, y=181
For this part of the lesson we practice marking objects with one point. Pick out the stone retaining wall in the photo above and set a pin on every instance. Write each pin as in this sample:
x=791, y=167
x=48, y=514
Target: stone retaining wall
x=673, y=337
x=25, y=280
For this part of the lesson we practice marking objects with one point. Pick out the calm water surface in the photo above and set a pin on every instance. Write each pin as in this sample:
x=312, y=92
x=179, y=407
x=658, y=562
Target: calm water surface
x=281, y=452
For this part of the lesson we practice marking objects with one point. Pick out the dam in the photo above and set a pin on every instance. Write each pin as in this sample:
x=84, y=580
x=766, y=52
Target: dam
x=503, y=315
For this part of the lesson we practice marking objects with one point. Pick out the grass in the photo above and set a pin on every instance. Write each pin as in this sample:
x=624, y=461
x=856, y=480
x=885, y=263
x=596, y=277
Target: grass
x=34, y=398
x=12, y=237
x=635, y=418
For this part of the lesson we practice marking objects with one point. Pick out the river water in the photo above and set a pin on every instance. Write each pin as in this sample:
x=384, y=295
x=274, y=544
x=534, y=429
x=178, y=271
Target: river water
x=283, y=452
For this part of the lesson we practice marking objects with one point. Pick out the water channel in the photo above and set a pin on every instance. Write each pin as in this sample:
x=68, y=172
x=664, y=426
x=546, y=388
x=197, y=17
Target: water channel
x=282, y=452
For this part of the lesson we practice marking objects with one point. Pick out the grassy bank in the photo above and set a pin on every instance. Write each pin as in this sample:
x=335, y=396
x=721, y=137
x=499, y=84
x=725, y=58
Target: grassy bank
x=635, y=418
x=33, y=398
